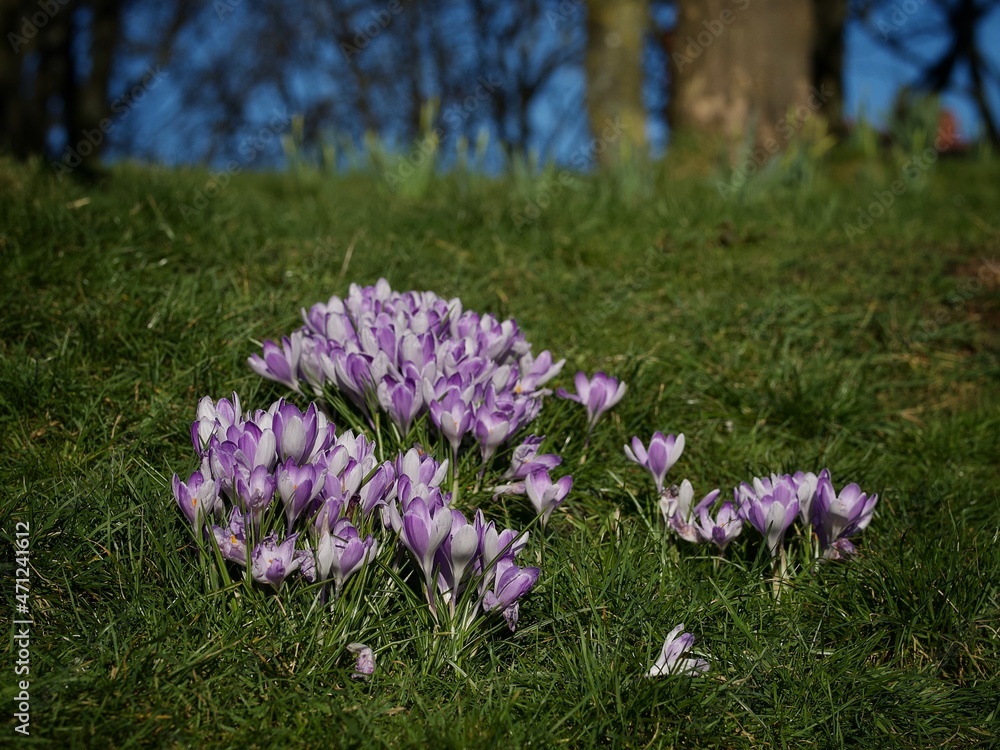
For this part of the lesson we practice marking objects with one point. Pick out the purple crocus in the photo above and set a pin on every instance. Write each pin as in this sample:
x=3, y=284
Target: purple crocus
x=511, y=583
x=378, y=489
x=342, y=553
x=298, y=486
x=536, y=372
x=525, y=459
x=545, y=494
x=663, y=453
x=840, y=516
x=422, y=529
x=675, y=504
x=214, y=418
x=364, y=663
x=455, y=554
x=256, y=489
x=402, y=401
x=231, y=538
x=279, y=363
x=494, y=547
x=491, y=429
x=721, y=530
x=421, y=468
x=669, y=661
x=771, y=512
x=299, y=435
x=806, y=484
x=598, y=394
x=271, y=562
x=453, y=416
x=198, y=497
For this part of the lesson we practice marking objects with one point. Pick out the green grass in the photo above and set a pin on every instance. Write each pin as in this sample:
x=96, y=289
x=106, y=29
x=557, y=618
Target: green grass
x=752, y=325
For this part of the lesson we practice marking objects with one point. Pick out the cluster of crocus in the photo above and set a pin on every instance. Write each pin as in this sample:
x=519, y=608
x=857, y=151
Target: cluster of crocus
x=450, y=551
x=410, y=354
x=530, y=472
x=770, y=504
x=280, y=493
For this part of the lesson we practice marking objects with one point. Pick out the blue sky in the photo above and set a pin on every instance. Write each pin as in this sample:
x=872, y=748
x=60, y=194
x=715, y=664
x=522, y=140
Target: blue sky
x=873, y=75
x=872, y=78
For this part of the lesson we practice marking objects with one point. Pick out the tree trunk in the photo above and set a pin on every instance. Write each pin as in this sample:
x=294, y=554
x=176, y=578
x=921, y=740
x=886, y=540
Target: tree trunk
x=739, y=67
x=615, y=109
x=50, y=92
x=828, y=58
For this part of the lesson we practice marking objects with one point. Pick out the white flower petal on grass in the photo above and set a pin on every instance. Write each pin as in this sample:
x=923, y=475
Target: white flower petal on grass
x=670, y=661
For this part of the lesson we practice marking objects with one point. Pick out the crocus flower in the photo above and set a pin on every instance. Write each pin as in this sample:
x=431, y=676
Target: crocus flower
x=402, y=401
x=378, y=489
x=422, y=529
x=298, y=487
x=342, y=553
x=453, y=416
x=597, y=395
x=805, y=487
x=255, y=446
x=271, y=562
x=721, y=530
x=664, y=451
x=841, y=549
x=682, y=518
x=421, y=468
x=455, y=555
x=493, y=546
x=772, y=512
x=232, y=539
x=214, y=418
x=255, y=490
x=197, y=497
x=536, y=372
x=841, y=516
x=670, y=662
x=491, y=429
x=364, y=663
x=299, y=435
x=545, y=494
x=279, y=363
x=525, y=459
x=511, y=584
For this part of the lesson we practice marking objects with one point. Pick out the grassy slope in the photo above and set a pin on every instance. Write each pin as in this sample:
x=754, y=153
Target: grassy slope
x=751, y=325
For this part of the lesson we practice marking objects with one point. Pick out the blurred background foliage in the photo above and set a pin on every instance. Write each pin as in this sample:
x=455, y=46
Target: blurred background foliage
x=410, y=87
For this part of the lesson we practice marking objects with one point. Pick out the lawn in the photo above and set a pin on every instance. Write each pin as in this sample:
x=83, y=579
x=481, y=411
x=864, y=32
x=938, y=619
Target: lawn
x=751, y=323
